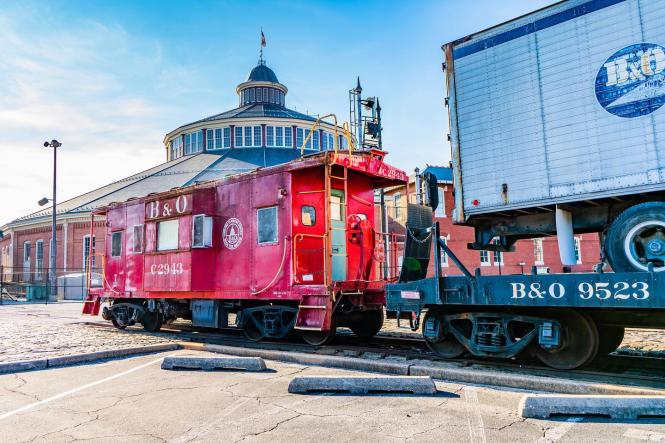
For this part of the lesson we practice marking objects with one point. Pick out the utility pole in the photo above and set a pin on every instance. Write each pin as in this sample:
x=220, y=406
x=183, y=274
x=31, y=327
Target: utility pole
x=53, y=283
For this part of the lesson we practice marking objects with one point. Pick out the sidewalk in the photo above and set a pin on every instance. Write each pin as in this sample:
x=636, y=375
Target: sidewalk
x=35, y=330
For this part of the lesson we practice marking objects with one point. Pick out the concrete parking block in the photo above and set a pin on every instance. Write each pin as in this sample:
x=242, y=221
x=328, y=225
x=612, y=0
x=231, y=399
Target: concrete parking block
x=363, y=385
x=24, y=365
x=615, y=406
x=214, y=363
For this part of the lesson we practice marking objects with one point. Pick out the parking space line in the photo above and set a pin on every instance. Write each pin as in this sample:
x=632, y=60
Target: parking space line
x=78, y=389
x=639, y=434
x=555, y=434
x=473, y=417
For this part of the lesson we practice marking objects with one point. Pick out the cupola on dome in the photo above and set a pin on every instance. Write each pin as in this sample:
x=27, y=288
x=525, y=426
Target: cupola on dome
x=262, y=73
x=260, y=122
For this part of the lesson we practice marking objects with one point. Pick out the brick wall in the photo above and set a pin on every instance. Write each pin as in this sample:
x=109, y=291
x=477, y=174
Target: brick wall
x=70, y=232
x=521, y=260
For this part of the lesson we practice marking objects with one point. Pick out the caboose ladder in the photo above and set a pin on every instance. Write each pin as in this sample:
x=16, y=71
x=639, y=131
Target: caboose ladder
x=91, y=304
x=314, y=313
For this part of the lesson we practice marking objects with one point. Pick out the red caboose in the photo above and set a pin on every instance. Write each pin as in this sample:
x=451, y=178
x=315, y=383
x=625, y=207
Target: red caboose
x=283, y=247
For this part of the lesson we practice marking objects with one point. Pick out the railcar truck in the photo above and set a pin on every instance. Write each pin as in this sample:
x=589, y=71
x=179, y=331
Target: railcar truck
x=557, y=127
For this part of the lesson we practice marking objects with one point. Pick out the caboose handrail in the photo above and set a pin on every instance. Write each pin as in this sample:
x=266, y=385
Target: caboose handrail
x=298, y=237
x=277, y=274
x=345, y=132
x=89, y=268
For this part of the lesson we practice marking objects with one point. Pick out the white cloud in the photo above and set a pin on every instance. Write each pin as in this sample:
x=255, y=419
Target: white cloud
x=68, y=84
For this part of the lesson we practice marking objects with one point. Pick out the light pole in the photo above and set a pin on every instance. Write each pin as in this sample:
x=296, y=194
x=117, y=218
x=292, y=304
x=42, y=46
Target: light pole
x=54, y=245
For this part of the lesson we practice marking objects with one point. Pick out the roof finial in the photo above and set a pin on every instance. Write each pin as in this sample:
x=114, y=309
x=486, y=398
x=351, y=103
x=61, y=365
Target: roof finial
x=263, y=45
x=358, y=87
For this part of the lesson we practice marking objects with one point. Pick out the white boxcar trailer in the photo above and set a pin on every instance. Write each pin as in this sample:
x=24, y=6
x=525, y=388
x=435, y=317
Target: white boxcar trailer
x=557, y=124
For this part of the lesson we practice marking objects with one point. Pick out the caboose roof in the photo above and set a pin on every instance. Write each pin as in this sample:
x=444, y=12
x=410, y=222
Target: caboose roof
x=384, y=174
x=184, y=171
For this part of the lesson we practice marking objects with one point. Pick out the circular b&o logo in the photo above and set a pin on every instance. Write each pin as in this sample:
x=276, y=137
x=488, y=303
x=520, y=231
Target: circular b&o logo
x=631, y=83
x=232, y=233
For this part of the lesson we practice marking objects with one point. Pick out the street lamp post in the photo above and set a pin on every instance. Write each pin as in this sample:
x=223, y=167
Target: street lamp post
x=54, y=246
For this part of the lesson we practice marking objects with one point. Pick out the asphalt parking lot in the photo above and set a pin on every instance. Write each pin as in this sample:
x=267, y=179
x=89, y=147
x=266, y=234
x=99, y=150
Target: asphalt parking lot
x=133, y=399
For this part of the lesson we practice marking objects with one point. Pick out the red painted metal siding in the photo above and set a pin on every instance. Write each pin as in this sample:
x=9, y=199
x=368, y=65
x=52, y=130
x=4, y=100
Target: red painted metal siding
x=236, y=265
x=308, y=190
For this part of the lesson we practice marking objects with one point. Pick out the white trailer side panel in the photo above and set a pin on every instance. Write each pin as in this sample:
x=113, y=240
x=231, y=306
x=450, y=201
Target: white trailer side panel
x=561, y=105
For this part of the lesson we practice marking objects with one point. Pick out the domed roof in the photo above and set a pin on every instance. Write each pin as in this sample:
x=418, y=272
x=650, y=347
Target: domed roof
x=262, y=73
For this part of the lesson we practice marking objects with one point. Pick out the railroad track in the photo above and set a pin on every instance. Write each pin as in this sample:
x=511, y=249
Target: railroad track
x=627, y=370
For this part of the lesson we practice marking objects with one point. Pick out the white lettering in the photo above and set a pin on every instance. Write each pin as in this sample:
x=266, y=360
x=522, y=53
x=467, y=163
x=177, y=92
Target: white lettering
x=617, y=71
x=518, y=290
x=556, y=290
x=166, y=211
x=534, y=291
x=153, y=210
x=166, y=269
x=643, y=290
x=181, y=204
x=659, y=60
x=601, y=288
x=646, y=64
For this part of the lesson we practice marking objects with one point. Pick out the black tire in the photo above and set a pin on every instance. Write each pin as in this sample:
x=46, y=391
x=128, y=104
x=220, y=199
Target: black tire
x=370, y=325
x=637, y=237
x=152, y=321
x=579, y=342
x=609, y=338
x=448, y=347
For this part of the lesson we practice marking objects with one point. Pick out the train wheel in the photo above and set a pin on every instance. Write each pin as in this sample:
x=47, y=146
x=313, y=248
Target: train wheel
x=252, y=331
x=447, y=346
x=116, y=324
x=370, y=325
x=609, y=338
x=579, y=342
x=152, y=321
x=319, y=338
x=636, y=238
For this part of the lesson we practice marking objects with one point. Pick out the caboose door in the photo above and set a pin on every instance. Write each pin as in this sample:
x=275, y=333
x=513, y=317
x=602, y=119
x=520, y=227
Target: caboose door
x=338, y=236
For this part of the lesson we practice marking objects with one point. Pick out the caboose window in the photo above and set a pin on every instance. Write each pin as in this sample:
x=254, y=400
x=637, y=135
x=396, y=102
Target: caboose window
x=308, y=215
x=116, y=244
x=266, y=220
x=202, y=231
x=137, y=240
x=336, y=207
x=167, y=235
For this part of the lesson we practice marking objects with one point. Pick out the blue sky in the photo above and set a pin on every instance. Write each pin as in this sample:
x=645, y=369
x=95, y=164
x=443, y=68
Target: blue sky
x=110, y=78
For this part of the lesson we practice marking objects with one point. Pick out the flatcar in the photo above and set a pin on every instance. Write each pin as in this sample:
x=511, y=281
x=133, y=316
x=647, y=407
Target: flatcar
x=287, y=247
x=564, y=320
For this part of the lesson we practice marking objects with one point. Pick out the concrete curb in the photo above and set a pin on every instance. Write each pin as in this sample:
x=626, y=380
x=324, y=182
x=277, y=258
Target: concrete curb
x=441, y=372
x=24, y=365
x=66, y=360
x=615, y=406
x=331, y=361
x=530, y=382
x=362, y=385
x=253, y=364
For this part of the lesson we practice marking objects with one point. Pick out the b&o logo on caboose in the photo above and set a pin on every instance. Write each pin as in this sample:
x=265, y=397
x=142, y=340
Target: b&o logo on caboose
x=232, y=233
x=631, y=83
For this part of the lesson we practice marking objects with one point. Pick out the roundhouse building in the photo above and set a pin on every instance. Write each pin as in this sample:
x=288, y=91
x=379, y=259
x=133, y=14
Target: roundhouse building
x=260, y=132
